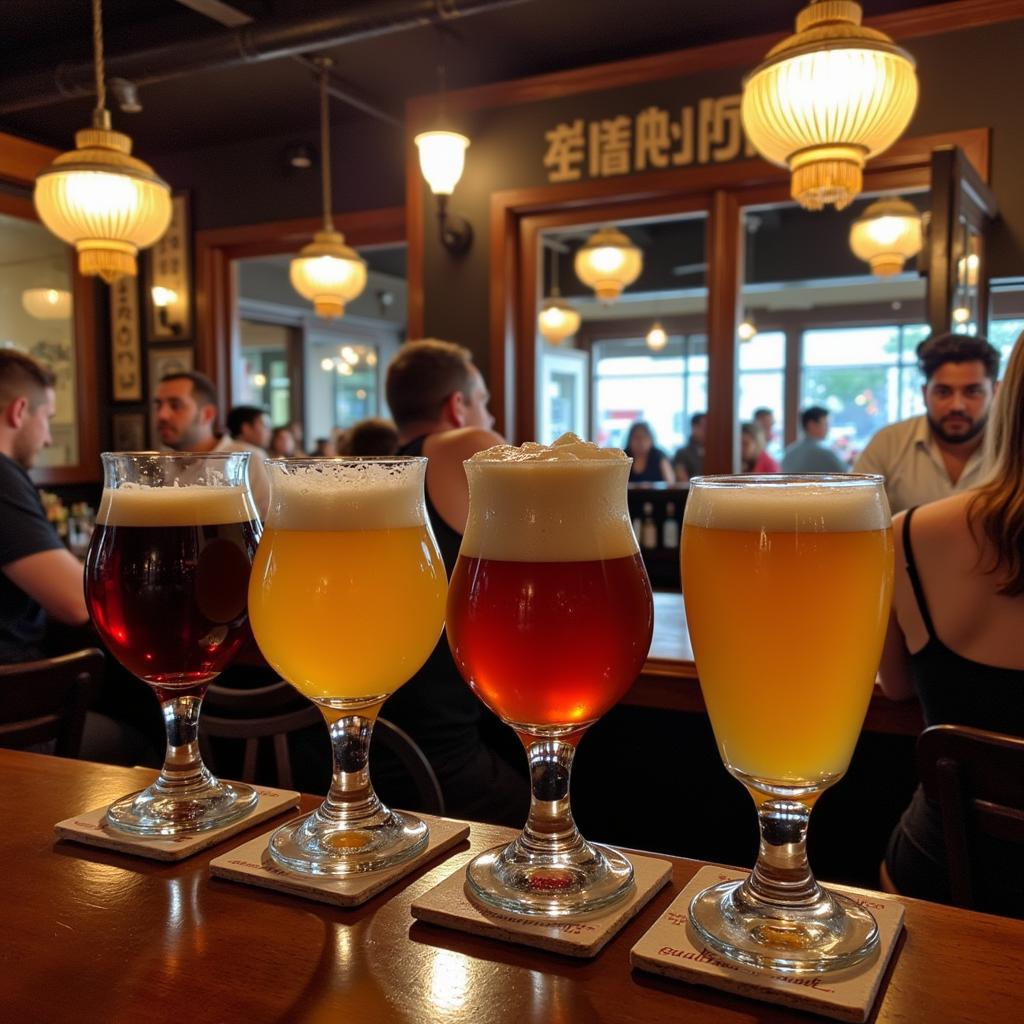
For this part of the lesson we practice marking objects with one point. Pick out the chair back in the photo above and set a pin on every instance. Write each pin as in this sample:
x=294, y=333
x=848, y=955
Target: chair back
x=977, y=779
x=45, y=701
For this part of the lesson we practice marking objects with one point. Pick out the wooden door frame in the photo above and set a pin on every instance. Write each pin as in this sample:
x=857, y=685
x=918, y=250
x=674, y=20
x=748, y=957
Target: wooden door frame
x=20, y=162
x=217, y=249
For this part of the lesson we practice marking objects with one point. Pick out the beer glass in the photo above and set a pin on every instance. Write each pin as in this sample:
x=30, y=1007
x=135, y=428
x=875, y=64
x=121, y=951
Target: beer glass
x=549, y=620
x=166, y=578
x=787, y=582
x=347, y=602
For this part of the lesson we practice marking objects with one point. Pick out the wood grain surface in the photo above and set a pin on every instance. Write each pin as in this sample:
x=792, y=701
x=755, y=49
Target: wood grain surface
x=90, y=935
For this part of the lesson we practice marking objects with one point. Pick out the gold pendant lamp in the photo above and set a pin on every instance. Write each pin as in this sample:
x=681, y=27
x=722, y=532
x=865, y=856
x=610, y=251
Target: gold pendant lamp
x=98, y=197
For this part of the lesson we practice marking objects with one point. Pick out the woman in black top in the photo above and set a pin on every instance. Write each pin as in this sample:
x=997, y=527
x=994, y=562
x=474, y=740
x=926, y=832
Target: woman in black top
x=954, y=636
x=650, y=463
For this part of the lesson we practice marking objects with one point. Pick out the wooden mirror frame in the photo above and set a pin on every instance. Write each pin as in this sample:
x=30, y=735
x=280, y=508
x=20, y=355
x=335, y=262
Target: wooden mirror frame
x=20, y=162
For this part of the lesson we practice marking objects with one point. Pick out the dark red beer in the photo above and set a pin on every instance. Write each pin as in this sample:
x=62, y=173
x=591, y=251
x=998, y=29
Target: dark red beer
x=550, y=643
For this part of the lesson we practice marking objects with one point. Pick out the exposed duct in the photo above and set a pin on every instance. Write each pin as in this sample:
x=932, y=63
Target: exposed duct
x=220, y=48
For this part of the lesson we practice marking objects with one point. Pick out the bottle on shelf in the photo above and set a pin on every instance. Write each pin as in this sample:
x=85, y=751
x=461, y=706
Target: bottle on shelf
x=649, y=529
x=670, y=528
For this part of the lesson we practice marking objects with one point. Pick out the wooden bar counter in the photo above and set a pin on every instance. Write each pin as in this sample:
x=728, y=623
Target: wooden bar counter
x=96, y=936
x=669, y=678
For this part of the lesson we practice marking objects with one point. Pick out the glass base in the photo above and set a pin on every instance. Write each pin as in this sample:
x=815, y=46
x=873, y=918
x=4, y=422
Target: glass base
x=514, y=879
x=314, y=845
x=832, y=933
x=174, y=810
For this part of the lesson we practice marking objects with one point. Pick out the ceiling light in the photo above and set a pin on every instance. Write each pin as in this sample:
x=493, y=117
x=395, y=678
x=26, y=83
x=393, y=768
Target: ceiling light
x=608, y=262
x=47, y=303
x=967, y=269
x=300, y=156
x=98, y=197
x=557, y=320
x=827, y=99
x=326, y=364
x=747, y=329
x=656, y=338
x=961, y=315
x=259, y=380
x=350, y=355
x=327, y=272
x=886, y=235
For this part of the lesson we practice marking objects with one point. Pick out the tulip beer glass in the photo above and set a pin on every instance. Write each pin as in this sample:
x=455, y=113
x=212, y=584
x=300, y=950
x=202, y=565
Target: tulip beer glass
x=549, y=621
x=347, y=602
x=166, y=578
x=787, y=581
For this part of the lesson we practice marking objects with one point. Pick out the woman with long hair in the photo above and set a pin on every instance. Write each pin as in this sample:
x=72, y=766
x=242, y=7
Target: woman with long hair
x=955, y=632
x=650, y=463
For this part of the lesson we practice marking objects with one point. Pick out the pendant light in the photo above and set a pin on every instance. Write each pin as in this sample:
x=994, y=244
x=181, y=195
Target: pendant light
x=827, y=99
x=886, y=235
x=557, y=320
x=327, y=272
x=747, y=329
x=656, y=338
x=98, y=197
x=608, y=262
x=47, y=303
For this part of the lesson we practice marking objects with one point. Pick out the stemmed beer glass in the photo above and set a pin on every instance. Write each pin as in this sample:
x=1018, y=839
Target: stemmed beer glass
x=549, y=620
x=787, y=581
x=347, y=602
x=166, y=578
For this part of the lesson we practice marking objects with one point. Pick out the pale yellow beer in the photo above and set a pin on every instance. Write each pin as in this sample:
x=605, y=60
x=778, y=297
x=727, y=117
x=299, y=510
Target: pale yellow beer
x=347, y=593
x=787, y=595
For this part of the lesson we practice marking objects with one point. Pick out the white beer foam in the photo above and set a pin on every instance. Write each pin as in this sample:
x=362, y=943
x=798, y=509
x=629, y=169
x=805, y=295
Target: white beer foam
x=187, y=505
x=794, y=506
x=564, y=502
x=329, y=496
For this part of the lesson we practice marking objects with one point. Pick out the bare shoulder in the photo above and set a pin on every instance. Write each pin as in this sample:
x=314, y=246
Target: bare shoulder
x=461, y=443
x=940, y=518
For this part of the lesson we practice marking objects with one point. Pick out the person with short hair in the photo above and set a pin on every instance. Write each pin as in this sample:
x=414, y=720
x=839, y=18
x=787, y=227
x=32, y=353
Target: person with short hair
x=439, y=403
x=251, y=424
x=688, y=461
x=369, y=437
x=811, y=454
x=186, y=415
x=765, y=419
x=955, y=629
x=929, y=457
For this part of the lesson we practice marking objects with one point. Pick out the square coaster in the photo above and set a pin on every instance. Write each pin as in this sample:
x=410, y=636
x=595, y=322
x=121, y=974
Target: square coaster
x=449, y=906
x=670, y=948
x=89, y=828
x=251, y=864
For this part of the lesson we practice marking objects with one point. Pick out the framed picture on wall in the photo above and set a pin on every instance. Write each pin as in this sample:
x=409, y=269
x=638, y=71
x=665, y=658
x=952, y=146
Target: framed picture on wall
x=163, y=361
x=167, y=297
x=128, y=432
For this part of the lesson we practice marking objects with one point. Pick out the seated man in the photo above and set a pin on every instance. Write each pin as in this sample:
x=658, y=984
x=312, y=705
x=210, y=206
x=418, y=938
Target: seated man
x=439, y=403
x=812, y=455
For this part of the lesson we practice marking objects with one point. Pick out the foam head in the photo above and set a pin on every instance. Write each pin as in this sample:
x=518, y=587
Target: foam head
x=134, y=504
x=789, y=504
x=346, y=494
x=564, y=502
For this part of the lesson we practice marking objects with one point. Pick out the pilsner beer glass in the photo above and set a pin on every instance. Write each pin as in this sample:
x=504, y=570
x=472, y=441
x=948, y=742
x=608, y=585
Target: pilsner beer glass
x=347, y=602
x=787, y=582
x=166, y=578
x=549, y=620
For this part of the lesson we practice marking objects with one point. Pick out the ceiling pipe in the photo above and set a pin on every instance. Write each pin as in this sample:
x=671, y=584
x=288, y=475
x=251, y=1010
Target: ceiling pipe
x=259, y=41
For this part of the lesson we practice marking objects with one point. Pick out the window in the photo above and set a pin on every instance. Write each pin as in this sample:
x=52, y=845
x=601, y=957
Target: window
x=762, y=371
x=1003, y=334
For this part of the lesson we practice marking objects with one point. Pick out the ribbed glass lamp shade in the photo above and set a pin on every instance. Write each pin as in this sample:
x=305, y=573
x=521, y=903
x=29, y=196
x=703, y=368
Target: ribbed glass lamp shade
x=104, y=202
x=827, y=99
x=442, y=159
x=608, y=262
x=886, y=235
x=557, y=320
x=47, y=303
x=328, y=273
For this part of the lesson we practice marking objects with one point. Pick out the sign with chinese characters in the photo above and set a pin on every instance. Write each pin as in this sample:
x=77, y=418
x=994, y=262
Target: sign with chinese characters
x=125, y=347
x=169, y=304
x=654, y=139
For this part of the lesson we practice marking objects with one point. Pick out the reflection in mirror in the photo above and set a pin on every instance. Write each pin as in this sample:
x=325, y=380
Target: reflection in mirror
x=642, y=356
x=320, y=375
x=36, y=316
x=830, y=332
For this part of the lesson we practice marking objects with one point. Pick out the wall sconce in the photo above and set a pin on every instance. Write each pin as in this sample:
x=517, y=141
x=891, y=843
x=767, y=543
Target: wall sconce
x=442, y=161
x=165, y=299
x=47, y=303
x=886, y=235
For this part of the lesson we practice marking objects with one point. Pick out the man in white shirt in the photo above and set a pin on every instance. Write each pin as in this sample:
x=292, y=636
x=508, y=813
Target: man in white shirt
x=933, y=456
x=186, y=412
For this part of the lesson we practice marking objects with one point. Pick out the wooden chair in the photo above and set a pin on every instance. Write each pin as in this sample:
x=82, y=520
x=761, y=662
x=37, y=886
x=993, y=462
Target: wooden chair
x=272, y=712
x=45, y=701
x=977, y=779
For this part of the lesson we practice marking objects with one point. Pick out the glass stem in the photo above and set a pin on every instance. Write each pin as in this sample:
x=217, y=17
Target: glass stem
x=550, y=829
x=782, y=874
x=183, y=764
x=351, y=801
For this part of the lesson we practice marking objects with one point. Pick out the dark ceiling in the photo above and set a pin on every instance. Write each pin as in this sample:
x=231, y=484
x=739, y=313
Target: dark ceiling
x=276, y=97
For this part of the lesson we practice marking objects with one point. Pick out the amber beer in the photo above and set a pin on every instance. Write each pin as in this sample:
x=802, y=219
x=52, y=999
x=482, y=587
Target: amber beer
x=549, y=613
x=166, y=580
x=787, y=590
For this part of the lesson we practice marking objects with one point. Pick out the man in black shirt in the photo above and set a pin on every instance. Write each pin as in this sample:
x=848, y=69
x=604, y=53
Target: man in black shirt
x=39, y=577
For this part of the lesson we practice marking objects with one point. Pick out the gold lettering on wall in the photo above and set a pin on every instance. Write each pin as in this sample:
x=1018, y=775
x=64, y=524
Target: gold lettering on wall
x=125, y=346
